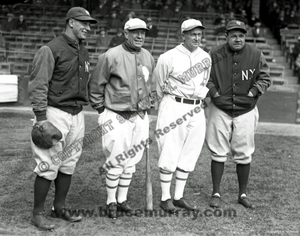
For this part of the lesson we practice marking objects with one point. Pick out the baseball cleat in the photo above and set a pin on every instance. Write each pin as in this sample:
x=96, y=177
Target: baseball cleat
x=168, y=206
x=124, y=207
x=65, y=215
x=111, y=210
x=243, y=200
x=41, y=221
x=215, y=201
x=182, y=203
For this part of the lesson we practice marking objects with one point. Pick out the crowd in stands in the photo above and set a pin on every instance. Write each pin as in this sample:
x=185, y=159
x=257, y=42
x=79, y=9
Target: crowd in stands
x=117, y=12
x=11, y=23
x=253, y=23
x=281, y=14
x=8, y=24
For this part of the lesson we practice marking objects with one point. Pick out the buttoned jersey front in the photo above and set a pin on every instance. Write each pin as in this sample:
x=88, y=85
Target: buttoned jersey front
x=183, y=73
x=234, y=74
x=59, y=76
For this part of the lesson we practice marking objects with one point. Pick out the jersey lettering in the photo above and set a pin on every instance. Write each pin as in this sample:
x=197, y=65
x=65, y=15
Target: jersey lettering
x=245, y=74
x=86, y=66
x=197, y=69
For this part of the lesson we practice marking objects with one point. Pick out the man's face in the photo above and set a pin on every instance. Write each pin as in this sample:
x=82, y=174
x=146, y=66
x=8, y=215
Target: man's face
x=235, y=39
x=192, y=39
x=203, y=43
x=80, y=28
x=136, y=37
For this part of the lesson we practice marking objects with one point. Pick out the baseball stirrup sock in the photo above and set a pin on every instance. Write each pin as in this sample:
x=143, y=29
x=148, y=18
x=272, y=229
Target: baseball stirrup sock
x=165, y=183
x=112, y=182
x=123, y=186
x=181, y=178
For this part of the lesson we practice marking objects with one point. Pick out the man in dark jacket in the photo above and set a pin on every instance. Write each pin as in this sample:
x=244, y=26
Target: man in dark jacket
x=57, y=90
x=118, y=39
x=239, y=76
x=153, y=31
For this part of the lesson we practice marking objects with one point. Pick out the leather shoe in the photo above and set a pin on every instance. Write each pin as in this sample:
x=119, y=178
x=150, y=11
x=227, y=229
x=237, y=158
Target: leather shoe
x=183, y=204
x=111, y=210
x=245, y=202
x=41, y=221
x=124, y=207
x=215, y=201
x=167, y=206
x=64, y=214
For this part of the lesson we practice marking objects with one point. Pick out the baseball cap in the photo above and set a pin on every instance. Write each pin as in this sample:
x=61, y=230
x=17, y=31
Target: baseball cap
x=135, y=23
x=236, y=24
x=80, y=14
x=191, y=24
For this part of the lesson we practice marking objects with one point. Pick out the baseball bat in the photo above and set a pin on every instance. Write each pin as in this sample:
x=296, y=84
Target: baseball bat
x=149, y=199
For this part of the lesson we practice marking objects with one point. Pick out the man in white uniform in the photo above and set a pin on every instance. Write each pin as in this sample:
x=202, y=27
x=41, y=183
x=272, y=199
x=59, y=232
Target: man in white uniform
x=181, y=75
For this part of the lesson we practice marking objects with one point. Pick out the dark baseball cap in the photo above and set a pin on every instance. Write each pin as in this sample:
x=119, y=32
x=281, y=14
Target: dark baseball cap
x=236, y=24
x=80, y=14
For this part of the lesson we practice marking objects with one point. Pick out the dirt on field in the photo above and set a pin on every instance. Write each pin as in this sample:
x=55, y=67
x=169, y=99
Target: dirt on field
x=273, y=187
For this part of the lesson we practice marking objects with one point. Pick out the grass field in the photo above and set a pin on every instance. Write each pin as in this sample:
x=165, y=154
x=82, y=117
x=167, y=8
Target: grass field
x=273, y=186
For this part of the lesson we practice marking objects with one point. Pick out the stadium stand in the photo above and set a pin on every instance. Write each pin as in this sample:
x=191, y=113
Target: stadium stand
x=44, y=23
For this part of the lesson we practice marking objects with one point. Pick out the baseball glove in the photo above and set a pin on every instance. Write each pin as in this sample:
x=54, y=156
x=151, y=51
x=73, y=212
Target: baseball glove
x=45, y=135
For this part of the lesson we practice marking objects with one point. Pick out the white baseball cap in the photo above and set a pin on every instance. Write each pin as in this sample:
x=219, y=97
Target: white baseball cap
x=191, y=24
x=134, y=24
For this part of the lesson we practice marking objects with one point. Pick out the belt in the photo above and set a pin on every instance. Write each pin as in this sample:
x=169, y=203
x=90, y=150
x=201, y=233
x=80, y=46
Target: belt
x=187, y=101
x=128, y=114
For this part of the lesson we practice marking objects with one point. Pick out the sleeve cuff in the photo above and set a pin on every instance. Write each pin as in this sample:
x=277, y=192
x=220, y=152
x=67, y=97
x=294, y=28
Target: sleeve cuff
x=213, y=91
x=254, y=91
x=40, y=115
x=100, y=110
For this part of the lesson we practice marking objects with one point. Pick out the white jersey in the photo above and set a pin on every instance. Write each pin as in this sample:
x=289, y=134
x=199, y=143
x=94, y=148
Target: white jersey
x=182, y=73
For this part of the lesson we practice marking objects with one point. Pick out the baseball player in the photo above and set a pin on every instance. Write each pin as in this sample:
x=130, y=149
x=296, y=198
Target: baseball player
x=57, y=90
x=238, y=78
x=119, y=90
x=181, y=75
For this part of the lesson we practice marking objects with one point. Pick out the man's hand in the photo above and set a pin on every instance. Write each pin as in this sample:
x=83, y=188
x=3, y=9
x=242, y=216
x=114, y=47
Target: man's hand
x=250, y=94
x=217, y=95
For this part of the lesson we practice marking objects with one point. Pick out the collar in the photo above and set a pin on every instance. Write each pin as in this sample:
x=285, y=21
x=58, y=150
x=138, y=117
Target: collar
x=184, y=50
x=71, y=41
x=130, y=48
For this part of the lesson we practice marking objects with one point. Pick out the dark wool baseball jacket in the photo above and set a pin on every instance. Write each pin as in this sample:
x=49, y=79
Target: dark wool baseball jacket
x=233, y=75
x=59, y=77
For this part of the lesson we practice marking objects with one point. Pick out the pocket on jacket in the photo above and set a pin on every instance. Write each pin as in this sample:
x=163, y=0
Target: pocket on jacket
x=58, y=90
x=245, y=101
x=221, y=101
x=121, y=98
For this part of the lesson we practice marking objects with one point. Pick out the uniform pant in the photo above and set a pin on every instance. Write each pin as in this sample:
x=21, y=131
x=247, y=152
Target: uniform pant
x=64, y=155
x=124, y=145
x=180, y=133
x=227, y=134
